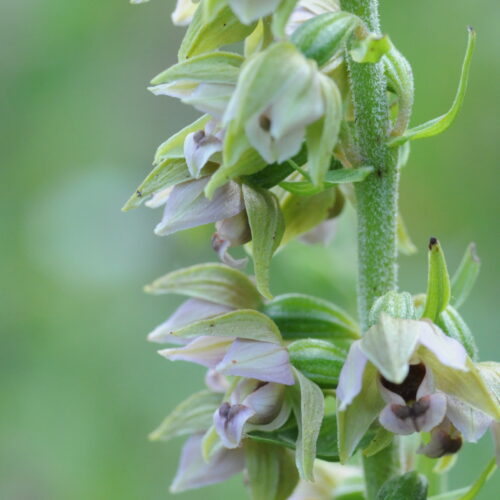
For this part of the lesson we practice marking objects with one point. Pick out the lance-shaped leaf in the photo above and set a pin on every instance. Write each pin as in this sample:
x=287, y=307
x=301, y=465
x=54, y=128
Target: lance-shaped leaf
x=244, y=323
x=465, y=277
x=281, y=16
x=213, y=282
x=174, y=146
x=191, y=416
x=205, y=35
x=267, y=226
x=302, y=316
x=188, y=207
x=405, y=244
x=438, y=282
x=168, y=173
x=302, y=213
x=370, y=49
x=410, y=485
x=321, y=136
x=452, y=323
x=308, y=407
x=441, y=123
x=216, y=67
x=321, y=37
x=332, y=177
x=318, y=360
x=272, y=474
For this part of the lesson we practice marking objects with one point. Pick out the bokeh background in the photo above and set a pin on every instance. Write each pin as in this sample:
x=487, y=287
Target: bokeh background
x=81, y=387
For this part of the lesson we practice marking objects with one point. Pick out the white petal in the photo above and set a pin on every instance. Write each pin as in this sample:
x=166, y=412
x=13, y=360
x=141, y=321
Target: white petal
x=266, y=402
x=259, y=360
x=188, y=312
x=229, y=422
x=216, y=382
x=180, y=89
x=470, y=422
x=184, y=12
x=159, y=198
x=211, y=98
x=351, y=376
x=198, y=149
x=205, y=351
x=194, y=472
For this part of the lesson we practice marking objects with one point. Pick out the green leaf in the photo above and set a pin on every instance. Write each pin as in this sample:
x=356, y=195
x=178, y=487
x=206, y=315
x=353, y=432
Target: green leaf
x=319, y=360
x=243, y=323
x=195, y=414
x=371, y=49
x=321, y=37
x=211, y=8
x=174, y=146
x=332, y=177
x=405, y=245
x=168, y=173
x=272, y=474
x=452, y=323
x=308, y=407
x=213, y=282
x=441, y=123
x=465, y=277
x=204, y=35
x=302, y=213
x=408, y=486
x=216, y=67
x=382, y=439
x=321, y=136
x=302, y=316
x=438, y=283
x=267, y=226
x=472, y=491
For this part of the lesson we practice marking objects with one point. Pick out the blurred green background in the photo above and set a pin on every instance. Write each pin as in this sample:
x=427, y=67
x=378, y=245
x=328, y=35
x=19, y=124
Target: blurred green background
x=81, y=387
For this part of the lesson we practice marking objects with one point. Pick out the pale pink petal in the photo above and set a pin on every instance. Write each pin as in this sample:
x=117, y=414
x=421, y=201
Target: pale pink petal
x=194, y=472
x=198, y=149
x=266, y=402
x=205, y=351
x=260, y=360
x=216, y=382
x=188, y=312
x=391, y=422
x=470, y=422
x=229, y=422
x=351, y=376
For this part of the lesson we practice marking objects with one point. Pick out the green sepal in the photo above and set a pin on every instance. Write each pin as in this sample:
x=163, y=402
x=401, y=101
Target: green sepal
x=332, y=177
x=212, y=282
x=267, y=226
x=441, y=123
x=397, y=305
x=465, y=276
x=319, y=360
x=452, y=323
x=281, y=16
x=405, y=244
x=243, y=323
x=308, y=407
x=217, y=67
x=211, y=8
x=195, y=414
x=168, y=173
x=302, y=316
x=438, y=282
x=321, y=37
x=410, y=485
x=272, y=474
x=382, y=439
x=370, y=49
x=204, y=35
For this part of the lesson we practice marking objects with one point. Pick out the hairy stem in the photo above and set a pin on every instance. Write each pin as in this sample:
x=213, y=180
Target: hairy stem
x=376, y=207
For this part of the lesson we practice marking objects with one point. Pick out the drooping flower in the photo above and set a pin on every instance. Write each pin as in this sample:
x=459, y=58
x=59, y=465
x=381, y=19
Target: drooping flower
x=411, y=376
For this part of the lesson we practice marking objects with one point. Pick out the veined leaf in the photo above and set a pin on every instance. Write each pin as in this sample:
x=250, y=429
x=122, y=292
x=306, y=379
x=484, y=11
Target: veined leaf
x=465, y=277
x=410, y=485
x=441, y=123
x=213, y=282
x=195, y=414
x=267, y=226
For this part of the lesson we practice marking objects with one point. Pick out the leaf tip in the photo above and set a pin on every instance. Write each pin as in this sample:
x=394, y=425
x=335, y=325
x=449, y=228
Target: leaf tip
x=433, y=243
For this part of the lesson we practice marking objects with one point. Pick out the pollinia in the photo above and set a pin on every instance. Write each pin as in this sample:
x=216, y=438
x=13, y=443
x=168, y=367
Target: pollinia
x=305, y=107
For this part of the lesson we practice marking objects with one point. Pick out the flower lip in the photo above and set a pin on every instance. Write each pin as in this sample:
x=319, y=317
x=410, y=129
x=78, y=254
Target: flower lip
x=409, y=387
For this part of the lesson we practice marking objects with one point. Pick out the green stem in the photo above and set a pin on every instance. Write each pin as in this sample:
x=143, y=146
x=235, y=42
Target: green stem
x=376, y=207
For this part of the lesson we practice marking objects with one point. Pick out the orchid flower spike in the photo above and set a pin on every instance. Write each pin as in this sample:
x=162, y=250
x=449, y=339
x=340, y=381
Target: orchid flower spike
x=411, y=376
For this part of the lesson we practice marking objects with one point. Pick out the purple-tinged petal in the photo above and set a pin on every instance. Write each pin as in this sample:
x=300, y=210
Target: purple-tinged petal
x=216, y=382
x=221, y=247
x=188, y=312
x=445, y=440
x=198, y=149
x=205, y=351
x=194, y=472
x=351, y=376
x=266, y=402
x=231, y=232
x=470, y=422
x=188, y=207
x=259, y=360
x=449, y=351
x=390, y=420
x=229, y=422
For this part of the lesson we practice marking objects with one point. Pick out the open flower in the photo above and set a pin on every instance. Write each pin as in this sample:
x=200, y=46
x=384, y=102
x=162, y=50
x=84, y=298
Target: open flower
x=411, y=376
